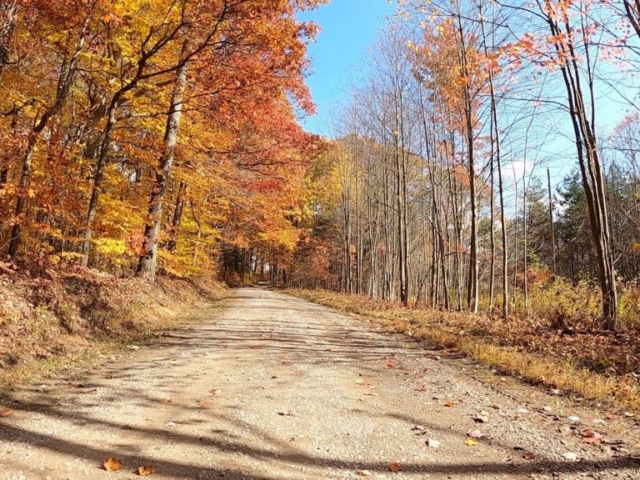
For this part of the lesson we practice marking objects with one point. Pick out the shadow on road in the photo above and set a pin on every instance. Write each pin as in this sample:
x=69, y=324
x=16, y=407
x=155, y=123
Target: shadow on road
x=288, y=456
x=248, y=341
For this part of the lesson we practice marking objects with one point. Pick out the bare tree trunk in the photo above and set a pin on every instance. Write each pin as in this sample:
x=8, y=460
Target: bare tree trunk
x=472, y=285
x=101, y=164
x=25, y=175
x=401, y=226
x=632, y=11
x=496, y=156
x=515, y=248
x=8, y=17
x=551, y=226
x=503, y=223
x=177, y=217
x=589, y=162
x=199, y=236
x=457, y=230
x=346, y=242
x=492, y=240
x=525, y=246
x=148, y=260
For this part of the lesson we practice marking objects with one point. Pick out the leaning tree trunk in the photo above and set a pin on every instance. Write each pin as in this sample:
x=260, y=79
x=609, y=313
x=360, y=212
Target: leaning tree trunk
x=148, y=260
x=172, y=244
x=589, y=162
x=98, y=175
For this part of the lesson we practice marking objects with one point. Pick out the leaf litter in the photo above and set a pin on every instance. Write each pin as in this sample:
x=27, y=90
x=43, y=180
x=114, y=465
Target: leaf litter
x=112, y=464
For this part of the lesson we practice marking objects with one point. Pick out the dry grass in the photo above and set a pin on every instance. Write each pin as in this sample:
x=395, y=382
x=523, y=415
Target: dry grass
x=52, y=323
x=531, y=351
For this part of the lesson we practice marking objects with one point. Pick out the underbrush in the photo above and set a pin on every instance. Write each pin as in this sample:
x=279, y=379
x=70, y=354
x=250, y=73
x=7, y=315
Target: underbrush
x=575, y=305
x=50, y=322
x=573, y=354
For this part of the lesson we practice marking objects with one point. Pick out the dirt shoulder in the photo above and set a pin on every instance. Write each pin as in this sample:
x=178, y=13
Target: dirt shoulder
x=57, y=321
x=570, y=360
x=273, y=387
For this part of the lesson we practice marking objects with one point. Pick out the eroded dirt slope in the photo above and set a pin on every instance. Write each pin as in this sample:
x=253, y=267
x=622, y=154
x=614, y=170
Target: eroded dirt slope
x=278, y=388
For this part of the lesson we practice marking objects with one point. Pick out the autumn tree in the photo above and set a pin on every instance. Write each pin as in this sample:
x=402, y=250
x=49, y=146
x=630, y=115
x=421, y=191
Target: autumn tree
x=136, y=106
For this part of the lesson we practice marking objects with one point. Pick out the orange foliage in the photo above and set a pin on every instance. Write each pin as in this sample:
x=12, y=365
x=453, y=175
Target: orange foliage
x=89, y=78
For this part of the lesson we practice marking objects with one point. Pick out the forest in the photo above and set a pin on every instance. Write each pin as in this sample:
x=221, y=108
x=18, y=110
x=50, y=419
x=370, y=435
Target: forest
x=481, y=191
x=144, y=133
x=438, y=189
x=486, y=163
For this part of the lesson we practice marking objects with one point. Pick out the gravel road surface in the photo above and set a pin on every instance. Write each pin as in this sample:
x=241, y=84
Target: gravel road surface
x=272, y=387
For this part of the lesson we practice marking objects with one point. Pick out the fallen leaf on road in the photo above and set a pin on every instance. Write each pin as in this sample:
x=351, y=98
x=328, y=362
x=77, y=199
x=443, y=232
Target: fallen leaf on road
x=589, y=436
x=371, y=394
x=214, y=391
x=470, y=442
x=112, y=464
x=529, y=456
x=449, y=404
x=5, y=412
x=202, y=404
x=396, y=467
x=145, y=470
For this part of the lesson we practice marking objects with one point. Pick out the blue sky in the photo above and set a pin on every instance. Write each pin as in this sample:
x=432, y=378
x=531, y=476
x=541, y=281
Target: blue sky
x=349, y=28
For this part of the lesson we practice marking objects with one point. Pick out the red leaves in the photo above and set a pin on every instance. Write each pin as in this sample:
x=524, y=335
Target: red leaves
x=590, y=436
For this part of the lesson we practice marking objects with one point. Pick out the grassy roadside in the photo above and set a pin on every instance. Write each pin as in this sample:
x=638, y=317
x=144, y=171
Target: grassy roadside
x=497, y=346
x=51, y=324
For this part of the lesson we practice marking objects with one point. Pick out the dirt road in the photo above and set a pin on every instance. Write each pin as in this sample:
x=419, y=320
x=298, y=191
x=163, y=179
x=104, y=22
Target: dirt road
x=277, y=388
